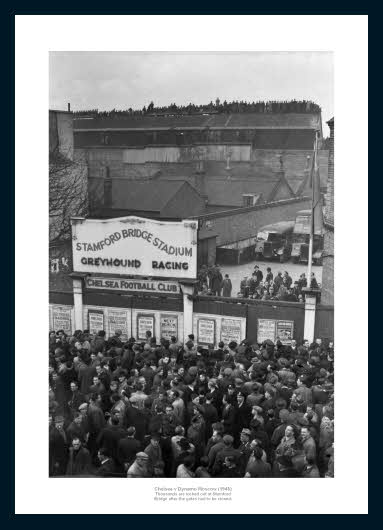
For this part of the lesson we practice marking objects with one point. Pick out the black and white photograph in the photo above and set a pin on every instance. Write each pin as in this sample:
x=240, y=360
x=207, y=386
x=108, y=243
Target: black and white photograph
x=178, y=183
x=191, y=265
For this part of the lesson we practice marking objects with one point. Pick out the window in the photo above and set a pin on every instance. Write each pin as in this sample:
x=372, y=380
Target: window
x=249, y=200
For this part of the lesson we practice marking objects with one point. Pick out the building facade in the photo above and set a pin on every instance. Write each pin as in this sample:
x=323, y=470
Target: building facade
x=328, y=254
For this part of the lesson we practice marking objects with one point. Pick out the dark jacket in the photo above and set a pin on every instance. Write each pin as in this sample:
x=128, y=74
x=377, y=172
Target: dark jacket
x=107, y=469
x=79, y=462
x=109, y=438
x=58, y=453
x=220, y=458
x=127, y=450
x=259, y=469
x=136, y=418
x=242, y=417
x=229, y=418
x=227, y=287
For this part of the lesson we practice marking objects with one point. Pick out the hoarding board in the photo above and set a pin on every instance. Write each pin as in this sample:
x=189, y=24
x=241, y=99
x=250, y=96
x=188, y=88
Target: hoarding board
x=274, y=330
x=206, y=331
x=285, y=331
x=144, y=323
x=62, y=319
x=135, y=246
x=230, y=330
x=169, y=326
x=266, y=330
x=95, y=321
x=118, y=321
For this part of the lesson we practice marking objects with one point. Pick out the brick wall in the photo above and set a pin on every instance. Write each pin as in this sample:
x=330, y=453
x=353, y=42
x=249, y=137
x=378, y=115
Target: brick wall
x=328, y=269
x=245, y=223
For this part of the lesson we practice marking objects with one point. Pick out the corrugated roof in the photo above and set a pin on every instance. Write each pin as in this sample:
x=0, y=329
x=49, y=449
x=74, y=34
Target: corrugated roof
x=148, y=196
x=230, y=191
x=245, y=120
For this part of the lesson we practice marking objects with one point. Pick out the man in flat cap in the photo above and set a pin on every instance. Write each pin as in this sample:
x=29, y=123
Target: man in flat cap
x=140, y=467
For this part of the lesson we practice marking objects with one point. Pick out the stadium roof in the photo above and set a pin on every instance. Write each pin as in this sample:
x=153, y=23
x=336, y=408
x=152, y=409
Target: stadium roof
x=215, y=121
x=146, y=196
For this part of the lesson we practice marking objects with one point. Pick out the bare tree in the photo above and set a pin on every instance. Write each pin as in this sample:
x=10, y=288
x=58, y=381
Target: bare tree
x=68, y=195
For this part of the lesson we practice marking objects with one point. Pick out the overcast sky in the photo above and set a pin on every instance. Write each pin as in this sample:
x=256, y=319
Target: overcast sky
x=107, y=80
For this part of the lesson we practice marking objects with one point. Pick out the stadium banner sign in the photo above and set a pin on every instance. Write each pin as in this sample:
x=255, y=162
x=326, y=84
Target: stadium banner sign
x=135, y=246
x=126, y=284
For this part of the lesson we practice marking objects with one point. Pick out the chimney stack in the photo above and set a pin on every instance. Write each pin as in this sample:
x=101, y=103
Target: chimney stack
x=68, y=107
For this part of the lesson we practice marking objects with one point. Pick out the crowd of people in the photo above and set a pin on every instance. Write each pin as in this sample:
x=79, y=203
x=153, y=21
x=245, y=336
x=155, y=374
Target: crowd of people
x=211, y=282
x=165, y=409
x=211, y=108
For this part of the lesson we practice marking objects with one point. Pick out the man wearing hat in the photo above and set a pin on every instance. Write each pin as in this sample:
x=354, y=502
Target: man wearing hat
x=58, y=447
x=140, y=467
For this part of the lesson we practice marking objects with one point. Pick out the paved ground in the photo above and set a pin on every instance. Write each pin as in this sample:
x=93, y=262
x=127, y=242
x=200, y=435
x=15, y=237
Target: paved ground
x=237, y=272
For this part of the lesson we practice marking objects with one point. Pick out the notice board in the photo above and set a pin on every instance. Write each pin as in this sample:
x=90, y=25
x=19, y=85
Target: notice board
x=230, y=330
x=285, y=331
x=62, y=319
x=145, y=323
x=95, y=321
x=118, y=320
x=168, y=326
x=206, y=331
x=274, y=330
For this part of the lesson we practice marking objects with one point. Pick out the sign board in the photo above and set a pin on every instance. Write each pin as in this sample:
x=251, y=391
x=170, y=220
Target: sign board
x=168, y=326
x=206, y=331
x=145, y=323
x=95, y=321
x=62, y=319
x=274, y=330
x=135, y=246
x=124, y=284
x=118, y=320
x=285, y=331
x=266, y=330
x=230, y=330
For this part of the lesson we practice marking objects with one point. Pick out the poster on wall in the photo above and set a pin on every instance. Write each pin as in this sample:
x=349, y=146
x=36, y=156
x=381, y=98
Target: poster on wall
x=61, y=319
x=230, y=330
x=285, y=331
x=266, y=330
x=145, y=323
x=206, y=331
x=95, y=321
x=118, y=321
x=169, y=326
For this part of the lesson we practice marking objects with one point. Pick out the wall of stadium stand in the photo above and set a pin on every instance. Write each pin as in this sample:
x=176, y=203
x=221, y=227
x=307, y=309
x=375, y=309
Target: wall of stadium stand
x=242, y=314
x=243, y=223
x=175, y=162
x=245, y=316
